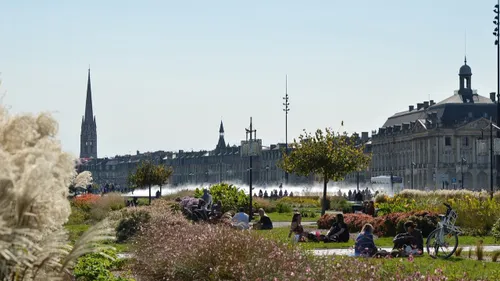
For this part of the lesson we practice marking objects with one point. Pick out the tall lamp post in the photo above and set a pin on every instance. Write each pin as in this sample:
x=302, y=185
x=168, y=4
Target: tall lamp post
x=253, y=137
x=412, y=167
x=462, y=163
x=286, y=109
x=496, y=33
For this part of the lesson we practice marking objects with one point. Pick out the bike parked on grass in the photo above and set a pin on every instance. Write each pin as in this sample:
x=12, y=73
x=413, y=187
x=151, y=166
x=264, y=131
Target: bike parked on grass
x=443, y=241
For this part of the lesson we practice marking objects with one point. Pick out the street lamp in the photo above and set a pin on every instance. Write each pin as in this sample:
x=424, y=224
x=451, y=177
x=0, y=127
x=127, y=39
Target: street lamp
x=496, y=33
x=412, y=167
x=286, y=109
x=462, y=163
x=267, y=175
x=253, y=138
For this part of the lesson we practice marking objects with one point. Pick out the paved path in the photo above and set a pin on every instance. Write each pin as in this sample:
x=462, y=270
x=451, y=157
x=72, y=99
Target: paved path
x=287, y=223
x=344, y=252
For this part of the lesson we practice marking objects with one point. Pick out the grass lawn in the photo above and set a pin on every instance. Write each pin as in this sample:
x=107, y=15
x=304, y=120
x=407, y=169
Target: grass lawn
x=281, y=234
x=454, y=268
x=286, y=217
x=76, y=230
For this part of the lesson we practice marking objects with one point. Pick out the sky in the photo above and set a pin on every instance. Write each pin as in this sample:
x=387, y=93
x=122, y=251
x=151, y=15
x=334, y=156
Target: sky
x=165, y=73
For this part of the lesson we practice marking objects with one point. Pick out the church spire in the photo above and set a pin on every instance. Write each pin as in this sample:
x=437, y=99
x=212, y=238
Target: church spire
x=221, y=128
x=89, y=112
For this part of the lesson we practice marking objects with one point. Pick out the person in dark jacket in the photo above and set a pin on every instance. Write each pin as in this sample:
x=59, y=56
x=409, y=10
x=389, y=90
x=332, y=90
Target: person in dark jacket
x=410, y=242
x=264, y=221
x=339, y=231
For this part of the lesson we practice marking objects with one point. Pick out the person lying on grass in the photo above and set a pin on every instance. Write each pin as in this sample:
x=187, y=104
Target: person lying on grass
x=339, y=231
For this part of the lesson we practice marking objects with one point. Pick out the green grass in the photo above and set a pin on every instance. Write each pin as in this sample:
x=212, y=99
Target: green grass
x=281, y=234
x=454, y=268
x=286, y=217
x=75, y=231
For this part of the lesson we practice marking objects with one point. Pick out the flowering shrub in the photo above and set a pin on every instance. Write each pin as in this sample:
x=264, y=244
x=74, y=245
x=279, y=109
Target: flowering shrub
x=388, y=225
x=215, y=252
x=130, y=224
x=85, y=201
x=495, y=230
x=105, y=204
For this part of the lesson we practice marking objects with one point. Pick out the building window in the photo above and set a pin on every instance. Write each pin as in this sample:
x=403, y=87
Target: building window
x=466, y=141
x=447, y=141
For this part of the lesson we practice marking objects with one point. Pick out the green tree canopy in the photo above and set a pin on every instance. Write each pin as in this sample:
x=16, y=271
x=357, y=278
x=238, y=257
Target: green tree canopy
x=329, y=154
x=148, y=174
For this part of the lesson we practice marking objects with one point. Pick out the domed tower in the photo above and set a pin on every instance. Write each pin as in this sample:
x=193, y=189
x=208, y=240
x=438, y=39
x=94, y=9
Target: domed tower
x=465, y=89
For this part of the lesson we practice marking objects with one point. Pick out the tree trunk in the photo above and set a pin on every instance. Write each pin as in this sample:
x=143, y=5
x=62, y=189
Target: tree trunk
x=149, y=194
x=324, y=205
x=160, y=190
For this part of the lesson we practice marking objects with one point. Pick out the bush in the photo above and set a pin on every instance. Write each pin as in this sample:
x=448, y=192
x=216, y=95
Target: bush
x=339, y=203
x=231, y=197
x=130, y=225
x=77, y=216
x=301, y=201
x=215, y=252
x=308, y=214
x=98, y=267
x=84, y=202
x=283, y=208
x=105, y=204
x=388, y=225
x=269, y=206
x=495, y=230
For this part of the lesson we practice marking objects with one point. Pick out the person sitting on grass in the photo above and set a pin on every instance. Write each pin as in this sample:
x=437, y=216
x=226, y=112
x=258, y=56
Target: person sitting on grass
x=296, y=228
x=364, y=245
x=264, y=221
x=410, y=242
x=339, y=231
x=241, y=220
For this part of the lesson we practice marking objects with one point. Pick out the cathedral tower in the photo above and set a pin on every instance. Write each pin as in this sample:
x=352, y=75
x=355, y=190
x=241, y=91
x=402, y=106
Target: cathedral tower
x=88, y=135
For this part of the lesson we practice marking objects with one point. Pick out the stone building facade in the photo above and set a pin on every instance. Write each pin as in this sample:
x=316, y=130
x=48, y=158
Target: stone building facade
x=223, y=164
x=439, y=142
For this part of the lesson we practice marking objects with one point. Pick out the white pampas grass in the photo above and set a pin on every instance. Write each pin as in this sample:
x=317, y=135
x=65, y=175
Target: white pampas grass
x=34, y=178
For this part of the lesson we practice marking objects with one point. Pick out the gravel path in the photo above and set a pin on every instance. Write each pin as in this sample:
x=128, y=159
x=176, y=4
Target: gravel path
x=345, y=252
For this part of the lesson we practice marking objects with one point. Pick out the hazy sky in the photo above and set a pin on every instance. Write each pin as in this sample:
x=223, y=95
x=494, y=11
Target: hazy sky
x=164, y=73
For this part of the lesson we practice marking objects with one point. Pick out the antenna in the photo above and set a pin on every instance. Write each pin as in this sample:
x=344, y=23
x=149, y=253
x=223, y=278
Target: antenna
x=465, y=46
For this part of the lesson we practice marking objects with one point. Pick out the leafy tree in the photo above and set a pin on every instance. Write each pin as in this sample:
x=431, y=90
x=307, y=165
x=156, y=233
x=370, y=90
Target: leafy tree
x=329, y=154
x=148, y=174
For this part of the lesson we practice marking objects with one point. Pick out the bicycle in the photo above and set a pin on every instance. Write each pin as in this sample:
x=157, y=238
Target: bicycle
x=436, y=241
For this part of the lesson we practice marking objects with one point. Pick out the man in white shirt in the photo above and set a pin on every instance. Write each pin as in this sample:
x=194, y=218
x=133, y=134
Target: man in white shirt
x=241, y=220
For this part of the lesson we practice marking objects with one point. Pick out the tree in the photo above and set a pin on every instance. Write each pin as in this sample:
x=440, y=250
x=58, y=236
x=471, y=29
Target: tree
x=148, y=174
x=329, y=154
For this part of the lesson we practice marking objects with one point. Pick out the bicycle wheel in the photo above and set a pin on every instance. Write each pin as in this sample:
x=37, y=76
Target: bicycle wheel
x=442, y=248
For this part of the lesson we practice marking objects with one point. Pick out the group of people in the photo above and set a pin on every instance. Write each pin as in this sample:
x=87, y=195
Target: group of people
x=275, y=194
x=241, y=220
x=409, y=242
x=358, y=195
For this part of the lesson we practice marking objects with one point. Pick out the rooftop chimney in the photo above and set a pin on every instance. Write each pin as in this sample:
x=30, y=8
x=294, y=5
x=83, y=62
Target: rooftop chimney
x=419, y=106
x=492, y=96
x=410, y=108
x=364, y=136
x=426, y=104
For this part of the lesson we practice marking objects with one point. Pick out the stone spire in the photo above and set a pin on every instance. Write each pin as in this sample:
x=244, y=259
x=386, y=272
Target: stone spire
x=89, y=112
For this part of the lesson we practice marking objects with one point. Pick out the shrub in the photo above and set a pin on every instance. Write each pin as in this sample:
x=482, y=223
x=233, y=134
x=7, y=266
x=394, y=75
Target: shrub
x=77, y=216
x=98, y=267
x=339, y=203
x=266, y=204
x=231, y=197
x=215, y=252
x=85, y=201
x=301, y=201
x=283, y=208
x=130, y=225
x=105, y=204
x=495, y=230
x=388, y=225
x=308, y=214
